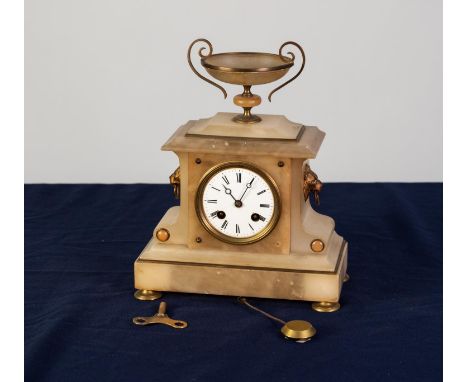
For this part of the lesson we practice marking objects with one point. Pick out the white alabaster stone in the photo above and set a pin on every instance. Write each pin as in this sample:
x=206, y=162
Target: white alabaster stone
x=157, y=270
x=324, y=262
x=270, y=127
x=307, y=144
x=192, y=261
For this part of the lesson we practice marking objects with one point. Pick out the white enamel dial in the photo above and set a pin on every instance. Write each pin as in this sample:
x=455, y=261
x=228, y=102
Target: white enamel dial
x=238, y=203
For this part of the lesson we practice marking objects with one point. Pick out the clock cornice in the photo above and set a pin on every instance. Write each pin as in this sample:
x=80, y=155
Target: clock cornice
x=305, y=147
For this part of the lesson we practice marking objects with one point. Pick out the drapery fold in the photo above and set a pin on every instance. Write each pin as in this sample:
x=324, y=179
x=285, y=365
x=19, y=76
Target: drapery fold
x=80, y=245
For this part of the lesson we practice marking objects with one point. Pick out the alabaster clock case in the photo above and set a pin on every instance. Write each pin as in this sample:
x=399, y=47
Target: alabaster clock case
x=245, y=226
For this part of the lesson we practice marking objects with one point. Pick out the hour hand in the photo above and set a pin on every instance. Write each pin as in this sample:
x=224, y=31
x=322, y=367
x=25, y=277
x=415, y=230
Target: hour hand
x=228, y=191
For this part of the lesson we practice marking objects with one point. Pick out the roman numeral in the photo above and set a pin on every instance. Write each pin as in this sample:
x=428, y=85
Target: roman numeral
x=211, y=201
x=214, y=188
x=251, y=227
x=261, y=192
x=214, y=214
x=225, y=179
x=237, y=228
x=224, y=225
x=265, y=205
x=262, y=218
x=239, y=177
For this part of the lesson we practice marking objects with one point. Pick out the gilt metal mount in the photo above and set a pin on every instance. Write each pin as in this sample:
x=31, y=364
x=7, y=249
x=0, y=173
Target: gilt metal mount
x=311, y=184
x=174, y=179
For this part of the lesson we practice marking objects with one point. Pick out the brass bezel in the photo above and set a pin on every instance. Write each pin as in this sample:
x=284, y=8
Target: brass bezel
x=237, y=240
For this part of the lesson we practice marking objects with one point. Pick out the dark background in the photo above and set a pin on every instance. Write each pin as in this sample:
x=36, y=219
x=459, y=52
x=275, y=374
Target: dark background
x=80, y=245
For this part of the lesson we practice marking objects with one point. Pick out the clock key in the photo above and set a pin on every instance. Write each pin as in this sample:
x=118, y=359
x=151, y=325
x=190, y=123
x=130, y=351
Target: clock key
x=160, y=317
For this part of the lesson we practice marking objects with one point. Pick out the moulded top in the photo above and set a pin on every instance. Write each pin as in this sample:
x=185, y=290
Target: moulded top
x=305, y=146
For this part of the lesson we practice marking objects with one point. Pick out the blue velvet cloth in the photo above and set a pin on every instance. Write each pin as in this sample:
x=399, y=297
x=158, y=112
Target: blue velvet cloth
x=80, y=245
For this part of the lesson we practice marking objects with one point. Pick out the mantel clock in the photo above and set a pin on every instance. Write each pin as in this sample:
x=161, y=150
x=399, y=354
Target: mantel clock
x=245, y=226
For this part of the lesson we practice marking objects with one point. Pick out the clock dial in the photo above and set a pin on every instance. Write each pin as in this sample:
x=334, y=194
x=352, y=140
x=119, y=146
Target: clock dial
x=238, y=203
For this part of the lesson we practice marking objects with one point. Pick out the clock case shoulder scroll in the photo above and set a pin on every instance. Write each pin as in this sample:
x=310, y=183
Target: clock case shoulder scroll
x=191, y=260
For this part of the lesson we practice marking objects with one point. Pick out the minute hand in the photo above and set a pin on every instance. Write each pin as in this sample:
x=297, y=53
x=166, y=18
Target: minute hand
x=246, y=188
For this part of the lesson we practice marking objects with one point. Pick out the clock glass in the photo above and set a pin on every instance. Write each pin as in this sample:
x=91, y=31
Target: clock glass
x=238, y=203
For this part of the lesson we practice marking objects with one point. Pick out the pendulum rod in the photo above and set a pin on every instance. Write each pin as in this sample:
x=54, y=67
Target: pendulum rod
x=244, y=301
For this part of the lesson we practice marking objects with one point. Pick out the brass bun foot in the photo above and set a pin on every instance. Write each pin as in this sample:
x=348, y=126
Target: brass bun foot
x=346, y=278
x=147, y=295
x=326, y=307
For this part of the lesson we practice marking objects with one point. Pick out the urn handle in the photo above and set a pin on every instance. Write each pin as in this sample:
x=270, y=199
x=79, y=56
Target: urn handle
x=292, y=56
x=200, y=53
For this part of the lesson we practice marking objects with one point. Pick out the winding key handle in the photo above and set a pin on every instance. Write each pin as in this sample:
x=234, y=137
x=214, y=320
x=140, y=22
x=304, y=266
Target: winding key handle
x=160, y=318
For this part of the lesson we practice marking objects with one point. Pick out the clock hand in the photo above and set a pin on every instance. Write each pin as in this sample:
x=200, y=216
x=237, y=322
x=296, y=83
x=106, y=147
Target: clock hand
x=248, y=185
x=228, y=191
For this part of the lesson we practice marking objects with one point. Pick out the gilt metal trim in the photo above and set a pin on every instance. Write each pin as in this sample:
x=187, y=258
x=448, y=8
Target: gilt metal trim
x=200, y=53
x=311, y=184
x=206, y=222
x=174, y=179
x=286, y=59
